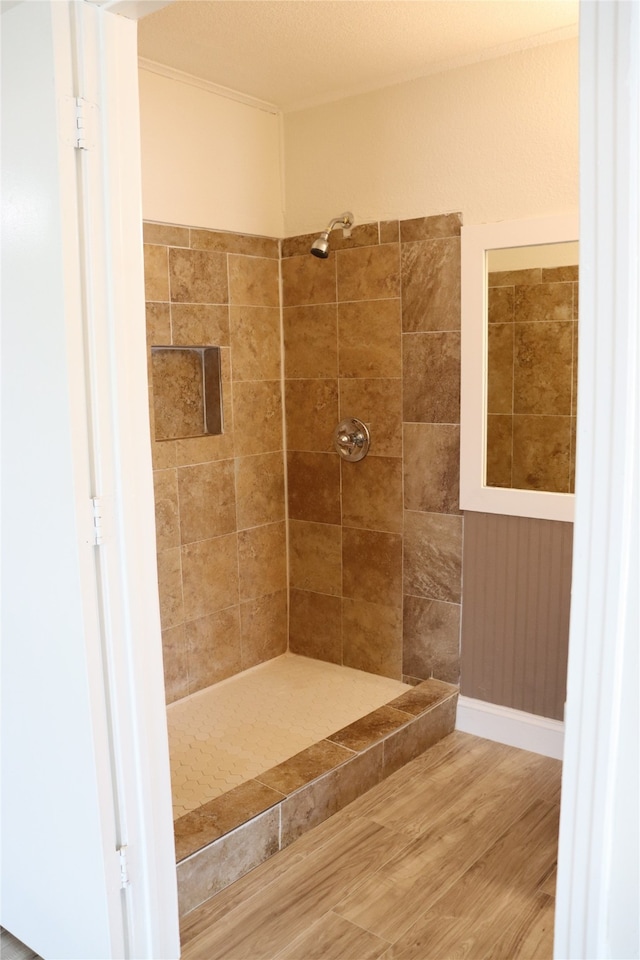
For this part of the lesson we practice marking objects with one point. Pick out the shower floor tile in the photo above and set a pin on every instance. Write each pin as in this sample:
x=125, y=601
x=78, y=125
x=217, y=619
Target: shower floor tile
x=231, y=732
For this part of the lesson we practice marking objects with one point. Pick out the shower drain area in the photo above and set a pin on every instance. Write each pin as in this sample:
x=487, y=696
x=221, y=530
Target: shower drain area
x=229, y=733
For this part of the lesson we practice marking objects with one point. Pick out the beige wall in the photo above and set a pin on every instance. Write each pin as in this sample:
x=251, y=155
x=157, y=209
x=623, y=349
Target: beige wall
x=496, y=140
x=208, y=160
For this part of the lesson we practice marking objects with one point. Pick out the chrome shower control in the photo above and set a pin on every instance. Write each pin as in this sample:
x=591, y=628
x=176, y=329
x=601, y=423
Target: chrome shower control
x=351, y=439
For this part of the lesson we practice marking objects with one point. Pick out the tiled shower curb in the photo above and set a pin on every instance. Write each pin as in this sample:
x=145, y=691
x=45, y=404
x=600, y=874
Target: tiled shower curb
x=229, y=836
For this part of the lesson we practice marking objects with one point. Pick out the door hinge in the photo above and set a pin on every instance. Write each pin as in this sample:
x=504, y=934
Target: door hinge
x=124, y=867
x=84, y=134
x=98, y=524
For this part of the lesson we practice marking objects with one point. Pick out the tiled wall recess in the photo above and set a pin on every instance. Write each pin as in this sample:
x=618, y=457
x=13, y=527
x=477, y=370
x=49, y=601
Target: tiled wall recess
x=533, y=363
x=374, y=547
x=220, y=511
x=223, y=840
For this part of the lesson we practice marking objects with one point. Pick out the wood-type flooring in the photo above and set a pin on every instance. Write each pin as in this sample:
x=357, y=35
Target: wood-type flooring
x=452, y=857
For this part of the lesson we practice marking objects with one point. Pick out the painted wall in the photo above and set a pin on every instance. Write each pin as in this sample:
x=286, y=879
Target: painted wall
x=496, y=140
x=207, y=160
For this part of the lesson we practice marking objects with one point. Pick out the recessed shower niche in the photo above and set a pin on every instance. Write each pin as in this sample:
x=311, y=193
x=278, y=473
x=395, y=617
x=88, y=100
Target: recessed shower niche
x=187, y=394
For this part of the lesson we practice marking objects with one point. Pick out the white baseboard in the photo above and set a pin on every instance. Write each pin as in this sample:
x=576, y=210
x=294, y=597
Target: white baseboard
x=513, y=727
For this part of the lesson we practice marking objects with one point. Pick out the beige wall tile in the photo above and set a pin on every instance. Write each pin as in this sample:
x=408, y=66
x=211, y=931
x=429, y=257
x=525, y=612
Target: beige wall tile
x=307, y=280
x=389, y=231
x=174, y=658
x=197, y=276
x=555, y=274
x=156, y=272
x=369, y=339
x=315, y=556
x=409, y=742
x=218, y=447
x=500, y=368
x=431, y=467
x=311, y=414
x=167, y=234
x=210, y=575
x=431, y=371
x=508, y=278
x=433, y=556
x=170, y=588
x=322, y=798
x=315, y=625
x=372, y=637
x=213, y=648
x=542, y=375
x=259, y=489
x=431, y=639
x=314, y=487
x=262, y=560
x=257, y=417
x=158, y=319
x=255, y=343
x=499, y=450
x=544, y=301
x=305, y=766
x=202, y=324
x=227, y=859
x=163, y=453
x=207, y=500
x=372, y=494
x=500, y=304
x=178, y=401
x=311, y=341
x=542, y=453
x=264, y=628
x=372, y=566
x=243, y=243
x=253, y=281
x=431, y=228
x=378, y=403
x=165, y=488
x=369, y=273
x=431, y=285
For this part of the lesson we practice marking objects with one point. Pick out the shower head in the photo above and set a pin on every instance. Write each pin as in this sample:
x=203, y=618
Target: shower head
x=320, y=246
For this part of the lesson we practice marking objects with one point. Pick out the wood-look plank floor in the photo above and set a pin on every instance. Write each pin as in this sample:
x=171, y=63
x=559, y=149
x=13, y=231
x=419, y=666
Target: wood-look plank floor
x=452, y=857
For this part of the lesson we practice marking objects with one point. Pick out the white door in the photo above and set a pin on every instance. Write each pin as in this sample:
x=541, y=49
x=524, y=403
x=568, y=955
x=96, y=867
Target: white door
x=88, y=867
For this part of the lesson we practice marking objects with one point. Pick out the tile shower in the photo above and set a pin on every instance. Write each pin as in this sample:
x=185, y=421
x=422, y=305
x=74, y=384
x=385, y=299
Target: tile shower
x=374, y=548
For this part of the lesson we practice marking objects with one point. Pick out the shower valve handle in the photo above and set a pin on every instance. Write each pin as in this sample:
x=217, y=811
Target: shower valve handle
x=351, y=439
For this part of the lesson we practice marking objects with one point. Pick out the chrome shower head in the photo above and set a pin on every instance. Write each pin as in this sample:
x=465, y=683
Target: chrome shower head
x=320, y=247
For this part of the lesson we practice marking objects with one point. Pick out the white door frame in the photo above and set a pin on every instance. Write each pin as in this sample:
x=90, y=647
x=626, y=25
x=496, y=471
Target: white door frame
x=116, y=361
x=598, y=891
x=602, y=630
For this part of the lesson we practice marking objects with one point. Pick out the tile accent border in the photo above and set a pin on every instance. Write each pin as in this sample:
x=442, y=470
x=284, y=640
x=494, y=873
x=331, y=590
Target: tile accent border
x=217, y=847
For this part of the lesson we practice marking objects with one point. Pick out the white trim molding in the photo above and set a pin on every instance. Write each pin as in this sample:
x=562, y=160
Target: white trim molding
x=598, y=887
x=512, y=727
x=171, y=73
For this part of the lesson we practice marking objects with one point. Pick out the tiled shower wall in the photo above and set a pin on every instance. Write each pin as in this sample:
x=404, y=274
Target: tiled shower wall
x=533, y=363
x=220, y=508
x=375, y=546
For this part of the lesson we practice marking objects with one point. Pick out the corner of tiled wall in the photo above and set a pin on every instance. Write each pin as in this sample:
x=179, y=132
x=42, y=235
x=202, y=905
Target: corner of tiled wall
x=373, y=331
x=374, y=547
x=220, y=512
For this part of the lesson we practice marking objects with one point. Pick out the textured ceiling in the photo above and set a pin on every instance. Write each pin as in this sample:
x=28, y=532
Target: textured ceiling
x=293, y=53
